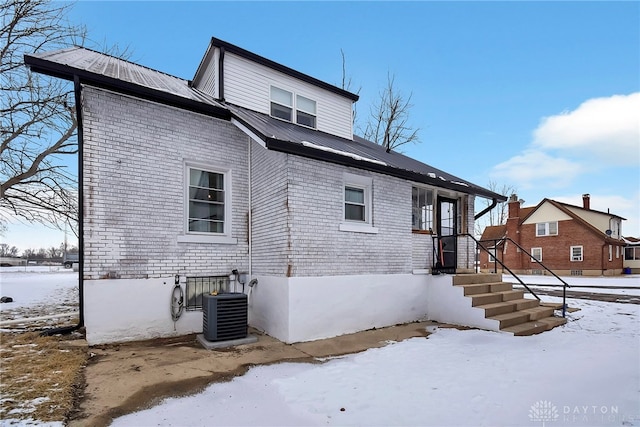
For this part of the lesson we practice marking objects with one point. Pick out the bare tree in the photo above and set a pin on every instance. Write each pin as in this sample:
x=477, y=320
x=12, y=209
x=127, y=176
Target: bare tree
x=497, y=215
x=388, y=123
x=347, y=83
x=38, y=116
x=6, y=250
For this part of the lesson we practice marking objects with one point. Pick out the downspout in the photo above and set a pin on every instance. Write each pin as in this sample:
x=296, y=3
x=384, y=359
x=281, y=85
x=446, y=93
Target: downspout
x=250, y=214
x=77, y=89
x=486, y=210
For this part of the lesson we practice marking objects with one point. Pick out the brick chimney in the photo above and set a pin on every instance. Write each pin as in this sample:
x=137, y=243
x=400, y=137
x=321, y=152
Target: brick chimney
x=514, y=206
x=586, y=198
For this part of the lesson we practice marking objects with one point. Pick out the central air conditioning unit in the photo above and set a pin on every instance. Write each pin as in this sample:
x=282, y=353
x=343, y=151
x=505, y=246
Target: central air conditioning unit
x=224, y=316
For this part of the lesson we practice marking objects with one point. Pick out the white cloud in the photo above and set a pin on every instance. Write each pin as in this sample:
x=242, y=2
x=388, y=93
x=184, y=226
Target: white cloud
x=536, y=168
x=608, y=128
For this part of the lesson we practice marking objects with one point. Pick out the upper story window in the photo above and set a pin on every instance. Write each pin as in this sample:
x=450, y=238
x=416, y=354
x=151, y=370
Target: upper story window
x=422, y=209
x=206, y=212
x=547, y=228
x=283, y=107
x=614, y=226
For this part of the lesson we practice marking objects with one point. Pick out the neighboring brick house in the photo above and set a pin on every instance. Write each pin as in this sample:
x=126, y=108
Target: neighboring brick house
x=250, y=167
x=569, y=240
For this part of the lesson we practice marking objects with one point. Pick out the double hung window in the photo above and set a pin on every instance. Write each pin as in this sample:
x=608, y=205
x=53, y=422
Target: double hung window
x=547, y=229
x=536, y=254
x=355, y=208
x=286, y=104
x=357, y=195
x=206, y=201
x=576, y=253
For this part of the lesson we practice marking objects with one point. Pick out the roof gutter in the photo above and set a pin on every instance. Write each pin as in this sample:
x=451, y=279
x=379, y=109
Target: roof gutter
x=494, y=203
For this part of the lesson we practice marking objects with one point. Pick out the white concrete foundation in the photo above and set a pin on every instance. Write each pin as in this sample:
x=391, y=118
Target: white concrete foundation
x=309, y=308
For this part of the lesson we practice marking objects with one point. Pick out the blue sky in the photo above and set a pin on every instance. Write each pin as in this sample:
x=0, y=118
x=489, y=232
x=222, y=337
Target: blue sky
x=543, y=97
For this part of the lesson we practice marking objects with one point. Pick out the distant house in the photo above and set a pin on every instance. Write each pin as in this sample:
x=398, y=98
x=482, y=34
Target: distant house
x=248, y=171
x=570, y=240
x=632, y=255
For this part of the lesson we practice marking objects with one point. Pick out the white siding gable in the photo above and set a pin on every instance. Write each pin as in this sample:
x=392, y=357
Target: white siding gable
x=547, y=213
x=247, y=84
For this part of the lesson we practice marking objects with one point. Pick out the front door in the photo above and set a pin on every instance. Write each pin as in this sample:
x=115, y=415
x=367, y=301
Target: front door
x=447, y=227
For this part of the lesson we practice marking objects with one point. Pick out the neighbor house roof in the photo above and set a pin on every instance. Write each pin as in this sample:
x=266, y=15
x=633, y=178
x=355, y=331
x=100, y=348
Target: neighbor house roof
x=564, y=207
x=116, y=74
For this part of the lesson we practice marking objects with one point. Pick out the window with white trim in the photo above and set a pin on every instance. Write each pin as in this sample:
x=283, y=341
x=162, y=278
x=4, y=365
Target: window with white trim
x=207, y=207
x=284, y=103
x=281, y=103
x=357, y=204
x=576, y=253
x=547, y=229
x=617, y=252
x=422, y=209
x=610, y=252
x=492, y=254
x=632, y=253
x=536, y=254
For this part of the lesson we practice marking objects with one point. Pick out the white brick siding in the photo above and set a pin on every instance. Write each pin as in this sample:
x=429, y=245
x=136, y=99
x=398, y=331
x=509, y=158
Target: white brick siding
x=134, y=188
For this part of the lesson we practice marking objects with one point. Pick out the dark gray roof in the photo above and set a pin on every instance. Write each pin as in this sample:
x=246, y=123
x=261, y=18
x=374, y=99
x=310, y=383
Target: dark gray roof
x=87, y=66
x=288, y=137
x=109, y=71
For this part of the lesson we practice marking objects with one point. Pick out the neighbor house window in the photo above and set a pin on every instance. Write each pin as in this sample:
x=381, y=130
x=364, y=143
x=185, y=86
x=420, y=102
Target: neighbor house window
x=305, y=111
x=284, y=103
x=206, y=211
x=422, y=209
x=576, y=253
x=610, y=253
x=632, y=253
x=492, y=254
x=614, y=226
x=357, y=204
x=281, y=103
x=547, y=228
x=536, y=254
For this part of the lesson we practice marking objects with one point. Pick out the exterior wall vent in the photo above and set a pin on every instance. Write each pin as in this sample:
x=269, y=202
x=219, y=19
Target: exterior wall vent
x=224, y=316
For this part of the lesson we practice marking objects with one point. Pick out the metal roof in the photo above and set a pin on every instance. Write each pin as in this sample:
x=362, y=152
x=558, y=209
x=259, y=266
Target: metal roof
x=109, y=71
x=117, y=74
x=284, y=136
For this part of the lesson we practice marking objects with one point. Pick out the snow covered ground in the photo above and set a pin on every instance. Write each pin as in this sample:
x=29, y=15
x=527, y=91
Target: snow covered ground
x=37, y=291
x=586, y=373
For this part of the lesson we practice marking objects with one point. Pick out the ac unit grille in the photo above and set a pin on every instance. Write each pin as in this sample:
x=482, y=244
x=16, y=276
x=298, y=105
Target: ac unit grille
x=224, y=316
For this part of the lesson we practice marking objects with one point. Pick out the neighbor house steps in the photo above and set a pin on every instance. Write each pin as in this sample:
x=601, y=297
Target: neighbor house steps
x=513, y=312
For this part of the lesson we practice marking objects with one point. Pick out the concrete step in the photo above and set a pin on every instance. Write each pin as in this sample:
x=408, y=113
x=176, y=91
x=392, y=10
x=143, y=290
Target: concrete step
x=475, y=288
x=510, y=319
x=500, y=287
x=511, y=295
x=482, y=299
x=497, y=308
x=469, y=279
x=538, y=313
x=524, y=303
x=552, y=322
x=527, y=328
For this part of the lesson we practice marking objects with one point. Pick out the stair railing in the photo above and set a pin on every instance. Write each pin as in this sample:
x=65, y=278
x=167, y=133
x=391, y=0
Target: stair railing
x=565, y=285
x=497, y=261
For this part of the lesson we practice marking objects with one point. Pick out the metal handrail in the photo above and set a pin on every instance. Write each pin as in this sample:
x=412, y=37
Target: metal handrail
x=498, y=261
x=565, y=285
